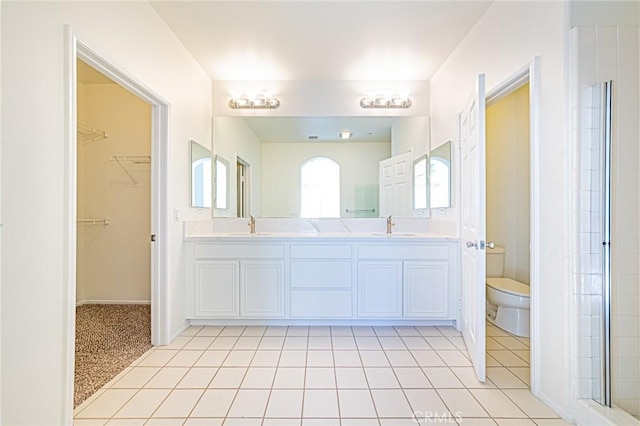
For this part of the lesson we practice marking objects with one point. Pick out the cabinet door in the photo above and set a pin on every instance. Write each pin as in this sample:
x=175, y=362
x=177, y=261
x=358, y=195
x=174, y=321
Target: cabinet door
x=216, y=288
x=262, y=289
x=426, y=289
x=380, y=289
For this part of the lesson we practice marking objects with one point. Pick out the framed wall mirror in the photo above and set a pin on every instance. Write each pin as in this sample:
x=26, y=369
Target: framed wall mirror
x=201, y=177
x=440, y=176
x=221, y=180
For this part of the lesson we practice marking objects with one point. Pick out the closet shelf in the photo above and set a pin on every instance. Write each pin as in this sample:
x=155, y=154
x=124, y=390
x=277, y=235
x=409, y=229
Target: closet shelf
x=134, y=159
x=103, y=221
x=88, y=134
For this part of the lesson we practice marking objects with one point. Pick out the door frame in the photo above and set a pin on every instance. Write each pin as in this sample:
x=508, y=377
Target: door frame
x=76, y=48
x=530, y=73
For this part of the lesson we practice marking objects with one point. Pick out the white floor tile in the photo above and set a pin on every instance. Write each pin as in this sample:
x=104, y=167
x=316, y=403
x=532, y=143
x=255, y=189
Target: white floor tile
x=178, y=342
x=281, y=421
x=508, y=358
x=204, y=422
x=285, y=403
x=230, y=421
x=391, y=403
x=320, y=404
x=351, y=378
x=249, y=403
x=497, y=404
x=551, y=422
x=412, y=378
x=449, y=331
x=232, y=330
x=504, y=379
x=415, y=343
x=528, y=403
x=165, y=422
x=238, y=359
x=298, y=331
x=347, y=359
x=385, y=331
x=319, y=343
x=454, y=358
x=223, y=342
x=374, y=359
x=179, y=403
x=192, y=330
x=142, y=404
x=107, y=404
x=493, y=331
x=368, y=343
x=359, y=422
x=510, y=342
x=523, y=373
x=209, y=330
x=212, y=359
x=471, y=421
x=295, y=343
x=458, y=342
x=491, y=343
x=426, y=404
x=324, y=331
x=214, y=403
x=381, y=378
x=167, y=378
x=254, y=331
x=320, y=422
x=390, y=343
x=439, y=342
x=319, y=359
x=126, y=422
x=199, y=343
x=356, y=404
x=343, y=343
x=276, y=331
x=363, y=331
x=461, y=403
x=428, y=331
x=293, y=359
x=185, y=358
x=197, y=378
x=401, y=359
x=320, y=378
x=428, y=358
x=157, y=358
x=228, y=378
x=515, y=422
x=89, y=422
x=407, y=331
x=266, y=359
x=259, y=378
x=247, y=342
x=289, y=378
x=271, y=342
x=442, y=378
x=468, y=377
x=341, y=331
x=523, y=354
x=399, y=422
x=491, y=361
x=136, y=378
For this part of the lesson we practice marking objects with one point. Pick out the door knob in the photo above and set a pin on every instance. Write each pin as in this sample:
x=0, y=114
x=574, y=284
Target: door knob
x=491, y=245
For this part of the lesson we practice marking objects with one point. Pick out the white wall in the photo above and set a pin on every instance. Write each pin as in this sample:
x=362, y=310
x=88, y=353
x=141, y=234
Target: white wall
x=114, y=260
x=410, y=134
x=504, y=40
x=232, y=138
x=359, y=163
x=34, y=282
x=508, y=182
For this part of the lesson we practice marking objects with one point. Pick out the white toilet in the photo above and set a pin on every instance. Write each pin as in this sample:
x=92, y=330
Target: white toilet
x=507, y=299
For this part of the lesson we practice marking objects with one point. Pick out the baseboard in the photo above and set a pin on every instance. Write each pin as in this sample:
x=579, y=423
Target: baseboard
x=113, y=302
x=559, y=410
x=179, y=332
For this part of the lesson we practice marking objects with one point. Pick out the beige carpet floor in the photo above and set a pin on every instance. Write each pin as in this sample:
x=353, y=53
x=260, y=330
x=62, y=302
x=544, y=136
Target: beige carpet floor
x=108, y=339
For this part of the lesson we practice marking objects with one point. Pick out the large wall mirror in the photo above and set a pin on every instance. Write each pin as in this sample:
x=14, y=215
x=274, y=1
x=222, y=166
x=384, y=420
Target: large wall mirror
x=301, y=167
x=201, y=178
x=440, y=176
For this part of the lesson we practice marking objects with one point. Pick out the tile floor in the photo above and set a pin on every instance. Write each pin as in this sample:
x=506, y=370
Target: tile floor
x=321, y=376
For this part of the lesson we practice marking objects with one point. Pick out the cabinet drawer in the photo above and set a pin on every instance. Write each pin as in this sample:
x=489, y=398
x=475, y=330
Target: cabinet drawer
x=322, y=303
x=239, y=251
x=320, y=251
x=404, y=251
x=327, y=274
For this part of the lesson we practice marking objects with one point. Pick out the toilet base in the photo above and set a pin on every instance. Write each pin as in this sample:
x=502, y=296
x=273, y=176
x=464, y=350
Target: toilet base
x=511, y=320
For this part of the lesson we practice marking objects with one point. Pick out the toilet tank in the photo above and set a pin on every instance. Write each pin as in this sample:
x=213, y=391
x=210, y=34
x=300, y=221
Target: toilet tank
x=495, y=262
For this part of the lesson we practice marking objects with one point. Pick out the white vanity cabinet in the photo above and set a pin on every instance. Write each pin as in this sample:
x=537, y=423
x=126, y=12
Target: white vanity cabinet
x=318, y=280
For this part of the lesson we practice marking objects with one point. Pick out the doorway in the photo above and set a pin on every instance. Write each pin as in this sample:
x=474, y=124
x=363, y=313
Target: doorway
x=242, y=187
x=508, y=223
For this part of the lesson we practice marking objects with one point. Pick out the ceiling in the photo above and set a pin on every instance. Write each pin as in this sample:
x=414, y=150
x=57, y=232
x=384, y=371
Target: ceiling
x=298, y=129
x=320, y=40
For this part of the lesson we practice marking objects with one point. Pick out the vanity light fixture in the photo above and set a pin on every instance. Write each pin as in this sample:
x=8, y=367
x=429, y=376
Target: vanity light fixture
x=259, y=101
x=382, y=101
x=345, y=134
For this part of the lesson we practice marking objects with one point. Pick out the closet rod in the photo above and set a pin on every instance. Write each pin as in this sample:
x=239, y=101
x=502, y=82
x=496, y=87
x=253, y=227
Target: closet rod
x=104, y=221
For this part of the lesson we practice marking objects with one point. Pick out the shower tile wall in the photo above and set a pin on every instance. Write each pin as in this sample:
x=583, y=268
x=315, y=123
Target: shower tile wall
x=600, y=54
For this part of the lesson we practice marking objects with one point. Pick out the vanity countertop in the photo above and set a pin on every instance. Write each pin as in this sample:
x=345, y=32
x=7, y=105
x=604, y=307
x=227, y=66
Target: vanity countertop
x=360, y=236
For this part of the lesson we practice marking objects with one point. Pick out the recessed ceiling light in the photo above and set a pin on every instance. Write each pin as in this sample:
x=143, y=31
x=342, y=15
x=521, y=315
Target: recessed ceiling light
x=345, y=134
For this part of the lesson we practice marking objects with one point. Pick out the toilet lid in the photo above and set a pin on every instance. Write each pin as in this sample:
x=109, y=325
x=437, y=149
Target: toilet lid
x=508, y=285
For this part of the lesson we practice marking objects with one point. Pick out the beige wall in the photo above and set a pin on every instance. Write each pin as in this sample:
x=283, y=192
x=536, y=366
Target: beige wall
x=113, y=261
x=508, y=180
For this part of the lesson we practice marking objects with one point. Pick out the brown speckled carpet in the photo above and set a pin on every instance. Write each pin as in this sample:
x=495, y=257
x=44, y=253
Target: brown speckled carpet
x=108, y=339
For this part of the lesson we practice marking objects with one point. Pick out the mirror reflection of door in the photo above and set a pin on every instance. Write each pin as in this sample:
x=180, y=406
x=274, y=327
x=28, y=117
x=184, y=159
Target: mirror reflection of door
x=242, y=187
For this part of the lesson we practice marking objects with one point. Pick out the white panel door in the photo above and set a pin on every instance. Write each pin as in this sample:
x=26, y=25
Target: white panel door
x=217, y=288
x=262, y=288
x=396, y=183
x=471, y=129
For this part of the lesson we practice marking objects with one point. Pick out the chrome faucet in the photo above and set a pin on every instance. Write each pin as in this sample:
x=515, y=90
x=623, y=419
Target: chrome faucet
x=252, y=224
x=389, y=224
